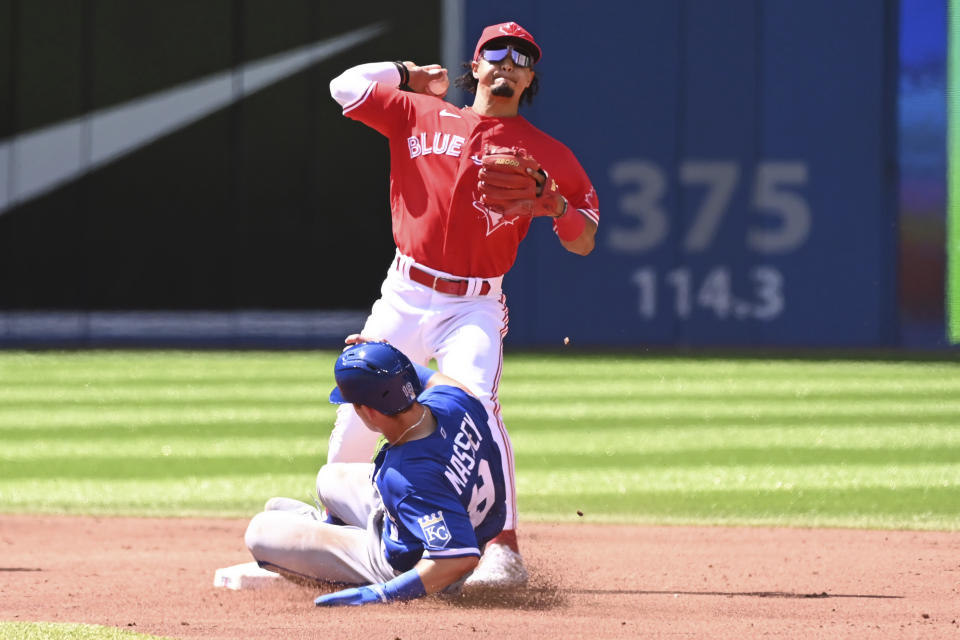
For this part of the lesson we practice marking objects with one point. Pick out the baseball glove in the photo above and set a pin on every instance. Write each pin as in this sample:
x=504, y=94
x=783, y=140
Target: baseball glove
x=513, y=184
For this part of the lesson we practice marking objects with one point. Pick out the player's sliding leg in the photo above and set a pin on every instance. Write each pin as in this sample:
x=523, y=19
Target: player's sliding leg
x=346, y=491
x=300, y=547
x=293, y=506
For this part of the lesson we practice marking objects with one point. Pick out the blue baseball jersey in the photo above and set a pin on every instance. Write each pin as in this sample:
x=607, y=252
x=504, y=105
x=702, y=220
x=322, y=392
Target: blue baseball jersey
x=444, y=494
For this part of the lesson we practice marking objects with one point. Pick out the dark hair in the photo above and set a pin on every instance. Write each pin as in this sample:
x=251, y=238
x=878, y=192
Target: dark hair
x=468, y=83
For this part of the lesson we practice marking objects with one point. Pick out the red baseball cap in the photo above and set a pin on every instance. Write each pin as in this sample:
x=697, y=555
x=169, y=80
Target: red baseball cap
x=507, y=30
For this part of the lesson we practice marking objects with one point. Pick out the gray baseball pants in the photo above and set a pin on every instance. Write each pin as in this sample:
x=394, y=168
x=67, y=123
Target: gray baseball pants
x=295, y=542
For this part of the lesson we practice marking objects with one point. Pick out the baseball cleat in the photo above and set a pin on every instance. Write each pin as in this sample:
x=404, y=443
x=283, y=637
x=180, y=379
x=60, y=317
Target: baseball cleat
x=501, y=567
x=289, y=504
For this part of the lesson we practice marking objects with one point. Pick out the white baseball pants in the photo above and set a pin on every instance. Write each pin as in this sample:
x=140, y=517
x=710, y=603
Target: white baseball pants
x=463, y=333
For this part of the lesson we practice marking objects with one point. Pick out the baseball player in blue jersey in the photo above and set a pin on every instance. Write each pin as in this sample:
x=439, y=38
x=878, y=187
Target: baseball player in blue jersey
x=416, y=520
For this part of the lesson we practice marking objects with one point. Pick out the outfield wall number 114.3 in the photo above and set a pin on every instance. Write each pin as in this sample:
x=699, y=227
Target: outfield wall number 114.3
x=762, y=299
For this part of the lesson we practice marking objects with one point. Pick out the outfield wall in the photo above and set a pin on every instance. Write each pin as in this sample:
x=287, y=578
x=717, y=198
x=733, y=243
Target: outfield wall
x=745, y=156
x=186, y=157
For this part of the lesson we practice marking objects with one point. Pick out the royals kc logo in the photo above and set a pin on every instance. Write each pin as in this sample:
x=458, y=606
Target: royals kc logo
x=435, y=529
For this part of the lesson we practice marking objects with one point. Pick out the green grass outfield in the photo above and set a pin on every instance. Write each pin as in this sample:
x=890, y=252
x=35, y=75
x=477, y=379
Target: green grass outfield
x=630, y=438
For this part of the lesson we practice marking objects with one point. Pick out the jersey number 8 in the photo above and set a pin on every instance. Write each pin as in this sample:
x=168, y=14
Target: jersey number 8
x=483, y=494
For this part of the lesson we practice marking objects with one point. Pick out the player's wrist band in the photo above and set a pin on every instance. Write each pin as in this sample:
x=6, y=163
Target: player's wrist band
x=405, y=586
x=563, y=212
x=569, y=228
x=404, y=75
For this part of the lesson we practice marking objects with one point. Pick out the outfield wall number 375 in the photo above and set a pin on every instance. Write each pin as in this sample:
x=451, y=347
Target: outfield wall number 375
x=776, y=194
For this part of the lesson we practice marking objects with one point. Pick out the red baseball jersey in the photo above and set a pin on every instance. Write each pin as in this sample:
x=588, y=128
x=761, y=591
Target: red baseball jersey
x=435, y=151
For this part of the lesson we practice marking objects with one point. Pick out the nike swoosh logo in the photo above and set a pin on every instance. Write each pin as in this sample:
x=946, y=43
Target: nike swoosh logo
x=444, y=112
x=49, y=158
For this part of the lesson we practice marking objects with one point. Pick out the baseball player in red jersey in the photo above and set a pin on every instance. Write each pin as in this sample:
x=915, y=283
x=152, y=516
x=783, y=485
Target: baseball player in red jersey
x=457, y=232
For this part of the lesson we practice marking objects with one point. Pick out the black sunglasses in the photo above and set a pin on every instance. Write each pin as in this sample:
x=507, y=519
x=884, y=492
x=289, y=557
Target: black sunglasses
x=519, y=59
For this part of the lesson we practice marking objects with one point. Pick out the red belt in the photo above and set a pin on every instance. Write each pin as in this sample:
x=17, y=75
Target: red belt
x=448, y=286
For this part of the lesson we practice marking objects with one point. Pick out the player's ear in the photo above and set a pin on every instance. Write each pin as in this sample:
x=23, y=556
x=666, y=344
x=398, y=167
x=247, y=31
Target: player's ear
x=473, y=69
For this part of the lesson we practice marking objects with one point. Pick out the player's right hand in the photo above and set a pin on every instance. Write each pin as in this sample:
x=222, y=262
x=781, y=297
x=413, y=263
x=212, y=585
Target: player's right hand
x=429, y=79
x=349, y=597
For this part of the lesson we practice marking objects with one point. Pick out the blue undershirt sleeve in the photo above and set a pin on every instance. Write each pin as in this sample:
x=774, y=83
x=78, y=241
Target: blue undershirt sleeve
x=424, y=373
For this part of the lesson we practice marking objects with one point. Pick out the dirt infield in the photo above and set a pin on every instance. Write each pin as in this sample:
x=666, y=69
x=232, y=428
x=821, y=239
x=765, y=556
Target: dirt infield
x=598, y=581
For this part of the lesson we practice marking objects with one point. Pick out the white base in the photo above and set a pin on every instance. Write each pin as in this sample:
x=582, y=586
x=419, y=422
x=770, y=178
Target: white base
x=244, y=576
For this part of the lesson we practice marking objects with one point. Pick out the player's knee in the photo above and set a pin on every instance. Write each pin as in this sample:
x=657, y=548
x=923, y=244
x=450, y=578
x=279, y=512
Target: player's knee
x=256, y=535
x=326, y=478
x=329, y=479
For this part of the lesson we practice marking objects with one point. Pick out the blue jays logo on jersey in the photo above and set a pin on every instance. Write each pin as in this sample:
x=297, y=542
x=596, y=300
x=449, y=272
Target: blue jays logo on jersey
x=435, y=529
x=495, y=219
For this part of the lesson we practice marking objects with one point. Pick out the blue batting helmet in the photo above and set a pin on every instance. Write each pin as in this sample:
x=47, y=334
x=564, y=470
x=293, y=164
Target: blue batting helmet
x=377, y=375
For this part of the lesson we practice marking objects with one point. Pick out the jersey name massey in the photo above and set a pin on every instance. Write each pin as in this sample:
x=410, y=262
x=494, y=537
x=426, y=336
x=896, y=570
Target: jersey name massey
x=439, y=144
x=462, y=460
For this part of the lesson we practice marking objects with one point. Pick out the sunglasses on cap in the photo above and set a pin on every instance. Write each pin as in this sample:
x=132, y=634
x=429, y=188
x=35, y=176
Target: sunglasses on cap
x=496, y=55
